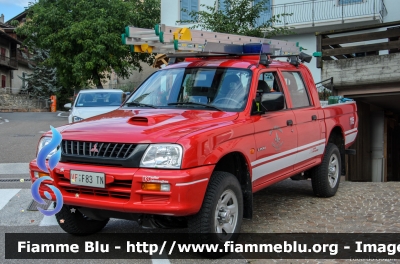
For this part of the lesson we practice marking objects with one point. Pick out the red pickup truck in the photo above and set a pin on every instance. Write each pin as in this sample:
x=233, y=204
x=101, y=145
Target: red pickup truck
x=193, y=143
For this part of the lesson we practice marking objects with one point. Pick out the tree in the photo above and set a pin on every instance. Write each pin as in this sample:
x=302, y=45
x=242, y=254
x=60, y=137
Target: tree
x=42, y=82
x=241, y=17
x=84, y=37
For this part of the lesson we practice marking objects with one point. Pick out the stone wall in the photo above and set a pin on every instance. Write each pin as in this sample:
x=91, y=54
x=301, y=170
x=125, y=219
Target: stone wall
x=363, y=70
x=21, y=103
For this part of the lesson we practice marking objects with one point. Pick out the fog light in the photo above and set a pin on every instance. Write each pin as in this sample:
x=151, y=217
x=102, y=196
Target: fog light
x=165, y=187
x=38, y=174
x=150, y=186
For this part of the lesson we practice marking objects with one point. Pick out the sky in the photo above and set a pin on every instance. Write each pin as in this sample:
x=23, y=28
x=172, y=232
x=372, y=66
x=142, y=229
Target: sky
x=11, y=8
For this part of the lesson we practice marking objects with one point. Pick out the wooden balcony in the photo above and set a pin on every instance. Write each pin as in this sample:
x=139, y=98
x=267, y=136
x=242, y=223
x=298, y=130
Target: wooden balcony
x=9, y=63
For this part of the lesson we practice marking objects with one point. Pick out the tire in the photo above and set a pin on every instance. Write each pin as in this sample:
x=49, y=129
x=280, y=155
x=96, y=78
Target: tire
x=77, y=223
x=218, y=219
x=326, y=177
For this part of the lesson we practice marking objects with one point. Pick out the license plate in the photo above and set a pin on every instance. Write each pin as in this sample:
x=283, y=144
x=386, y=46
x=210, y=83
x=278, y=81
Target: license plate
x=86, y=178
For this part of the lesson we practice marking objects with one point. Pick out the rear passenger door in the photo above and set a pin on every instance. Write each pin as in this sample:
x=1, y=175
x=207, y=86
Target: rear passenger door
x=310, y=143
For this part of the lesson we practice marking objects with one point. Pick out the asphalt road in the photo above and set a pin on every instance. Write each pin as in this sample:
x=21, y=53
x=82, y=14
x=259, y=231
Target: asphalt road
x=286, y=207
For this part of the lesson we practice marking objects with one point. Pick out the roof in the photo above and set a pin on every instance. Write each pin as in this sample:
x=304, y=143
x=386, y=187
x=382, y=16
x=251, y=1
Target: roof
x=101, y=90
x=17, y=17
x=8, y=37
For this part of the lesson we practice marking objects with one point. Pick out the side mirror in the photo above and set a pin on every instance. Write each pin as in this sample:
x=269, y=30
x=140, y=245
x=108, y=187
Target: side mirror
x=273, y=101
x=68, y=105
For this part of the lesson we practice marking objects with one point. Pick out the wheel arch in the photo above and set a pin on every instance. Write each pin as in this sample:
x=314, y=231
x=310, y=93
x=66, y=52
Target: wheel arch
x=237, y=164
x=336, y=137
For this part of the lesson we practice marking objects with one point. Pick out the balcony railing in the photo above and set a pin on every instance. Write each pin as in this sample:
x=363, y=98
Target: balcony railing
x=313, y=12
x=10, y=62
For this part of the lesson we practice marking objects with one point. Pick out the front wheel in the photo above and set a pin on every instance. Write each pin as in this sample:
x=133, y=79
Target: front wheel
x=220, y=217
x=72, y=221
x=326, y=177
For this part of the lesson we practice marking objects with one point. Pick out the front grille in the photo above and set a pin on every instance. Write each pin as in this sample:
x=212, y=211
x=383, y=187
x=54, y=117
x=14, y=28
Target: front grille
x=126, y=155
x=97, y=149
x=119, y=189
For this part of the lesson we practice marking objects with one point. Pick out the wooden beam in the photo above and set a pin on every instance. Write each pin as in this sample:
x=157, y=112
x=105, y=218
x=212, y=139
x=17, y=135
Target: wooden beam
x=361, y=37
x=319, y=49
x=335, y=46
x=362, y=48
x=383, y=25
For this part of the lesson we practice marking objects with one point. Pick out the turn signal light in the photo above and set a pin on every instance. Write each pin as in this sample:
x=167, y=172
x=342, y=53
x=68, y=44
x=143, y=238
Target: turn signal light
x=38, y=174
x=150, y=186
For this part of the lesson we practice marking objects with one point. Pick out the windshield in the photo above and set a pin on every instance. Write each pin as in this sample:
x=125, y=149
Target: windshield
x=203, y=88
x=98, y=99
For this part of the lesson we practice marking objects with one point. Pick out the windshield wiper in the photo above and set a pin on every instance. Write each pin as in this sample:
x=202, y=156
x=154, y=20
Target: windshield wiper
x=139, y=104
x=194, y=103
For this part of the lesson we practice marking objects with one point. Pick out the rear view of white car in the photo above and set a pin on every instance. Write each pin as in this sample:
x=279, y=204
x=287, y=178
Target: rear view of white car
x=94, y=102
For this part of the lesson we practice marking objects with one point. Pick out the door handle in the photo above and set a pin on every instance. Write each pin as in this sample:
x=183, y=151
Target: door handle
x=314, y=117
x=289, y=122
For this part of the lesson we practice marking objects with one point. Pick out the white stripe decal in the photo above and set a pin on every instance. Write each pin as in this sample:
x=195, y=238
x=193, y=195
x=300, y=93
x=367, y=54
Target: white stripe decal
x=273, y=166
x=311, y=144
x=254, y=163
x=282, y=163
x=189, y=183
x=350, y=138
x=350, y=131
x=6, y=195
x=310, y=153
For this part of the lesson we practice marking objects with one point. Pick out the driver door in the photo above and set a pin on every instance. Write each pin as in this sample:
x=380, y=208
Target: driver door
x=276, y=139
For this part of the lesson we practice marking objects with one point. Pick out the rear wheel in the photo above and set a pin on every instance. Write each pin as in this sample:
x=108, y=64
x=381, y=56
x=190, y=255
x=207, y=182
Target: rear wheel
x=220, y=217
x=74, y=222
x=326, y=177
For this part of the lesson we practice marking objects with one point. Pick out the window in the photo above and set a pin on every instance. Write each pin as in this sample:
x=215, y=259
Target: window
x=189, y=6
x=297, y=90
x=346, y=2
x=265, y=15
x=2, y=53
x=3, y=81
x=271, y=80
x=222, y=5
x=268, y=82
x=195, y=88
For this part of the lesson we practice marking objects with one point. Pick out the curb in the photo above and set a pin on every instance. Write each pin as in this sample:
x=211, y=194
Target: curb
x=23, y=110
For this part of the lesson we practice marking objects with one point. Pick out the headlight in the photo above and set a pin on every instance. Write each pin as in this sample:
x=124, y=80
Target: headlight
x=43, y=142
x=162, y=156
x=76, y=118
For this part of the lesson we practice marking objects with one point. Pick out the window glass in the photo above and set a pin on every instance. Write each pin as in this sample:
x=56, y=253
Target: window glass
x=222, y=5
x=99, y=99
x=265, y=15
x=269, y=82
x=272, y=81
x=224, y=88
x=297, y=90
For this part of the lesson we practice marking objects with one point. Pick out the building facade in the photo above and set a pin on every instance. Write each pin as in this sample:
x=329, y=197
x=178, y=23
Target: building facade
x=13, y=63
x=307, y=17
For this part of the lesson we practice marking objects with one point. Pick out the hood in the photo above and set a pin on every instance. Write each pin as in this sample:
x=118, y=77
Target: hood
x=86, y=112
x=145, y=125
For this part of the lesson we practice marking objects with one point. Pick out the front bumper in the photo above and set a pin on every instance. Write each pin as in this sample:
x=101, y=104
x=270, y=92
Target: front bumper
x=123, y=191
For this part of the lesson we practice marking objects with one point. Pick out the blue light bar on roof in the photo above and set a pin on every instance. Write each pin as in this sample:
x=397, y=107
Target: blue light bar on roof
x=256, y=48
